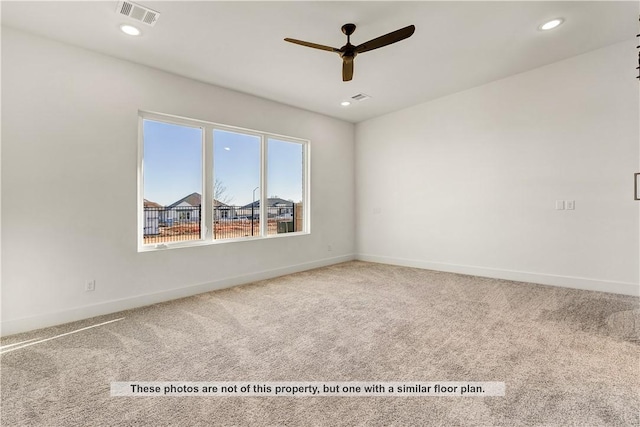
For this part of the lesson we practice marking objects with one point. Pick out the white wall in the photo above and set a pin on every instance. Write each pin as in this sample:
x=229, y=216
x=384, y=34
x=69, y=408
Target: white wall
x=468, y=183
x=465, y=183
x=69, y=206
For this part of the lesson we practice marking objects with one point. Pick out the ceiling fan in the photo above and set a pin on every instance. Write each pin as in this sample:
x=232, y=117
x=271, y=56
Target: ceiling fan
x=348, y=52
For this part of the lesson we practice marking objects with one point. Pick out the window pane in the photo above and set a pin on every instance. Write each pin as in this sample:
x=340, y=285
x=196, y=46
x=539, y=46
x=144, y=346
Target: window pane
x=172, y=167
x=285, y=184
x=236, y=167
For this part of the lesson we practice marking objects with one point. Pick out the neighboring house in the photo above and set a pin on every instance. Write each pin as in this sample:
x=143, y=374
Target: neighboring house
x=152, y=212
x=187, y=209
x=277, y=207
x=223, y=211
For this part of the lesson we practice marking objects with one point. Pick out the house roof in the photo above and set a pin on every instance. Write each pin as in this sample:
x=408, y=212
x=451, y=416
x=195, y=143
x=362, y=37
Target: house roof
x=194, y=199
x=271, y=201
x=150, y=204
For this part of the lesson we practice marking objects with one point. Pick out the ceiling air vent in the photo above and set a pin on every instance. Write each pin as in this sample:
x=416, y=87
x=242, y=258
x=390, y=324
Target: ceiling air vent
x=360, y=97
x=137, y=12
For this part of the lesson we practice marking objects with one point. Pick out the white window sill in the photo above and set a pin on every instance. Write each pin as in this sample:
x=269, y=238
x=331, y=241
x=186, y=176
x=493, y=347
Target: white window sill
x=209, y=242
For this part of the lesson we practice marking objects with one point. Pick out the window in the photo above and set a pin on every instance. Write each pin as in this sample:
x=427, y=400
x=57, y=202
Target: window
x=172, y=176
x=201, y=182
x=237, y=174
x=285, y=166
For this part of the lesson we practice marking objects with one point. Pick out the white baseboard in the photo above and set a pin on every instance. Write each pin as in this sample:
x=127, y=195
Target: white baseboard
x=624, y=288
x=14, y=326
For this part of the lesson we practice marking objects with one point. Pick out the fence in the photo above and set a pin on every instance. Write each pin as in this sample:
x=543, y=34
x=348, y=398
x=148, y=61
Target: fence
x=163, y=225
x=171, y=224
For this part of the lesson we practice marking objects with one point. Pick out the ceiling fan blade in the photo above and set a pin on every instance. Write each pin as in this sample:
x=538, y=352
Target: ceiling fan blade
x=347, y=69
x=387, y=39
x=313, y=45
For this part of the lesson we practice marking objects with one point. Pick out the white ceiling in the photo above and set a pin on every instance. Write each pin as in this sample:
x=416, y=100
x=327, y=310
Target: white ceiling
x=239, y=45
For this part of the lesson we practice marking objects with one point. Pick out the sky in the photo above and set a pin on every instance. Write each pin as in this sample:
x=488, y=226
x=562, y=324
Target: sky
x=172, y=165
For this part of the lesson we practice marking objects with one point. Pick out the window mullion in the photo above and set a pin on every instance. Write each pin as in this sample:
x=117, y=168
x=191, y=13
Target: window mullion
x=141, y=213
x=264, y=201
x=207, y=201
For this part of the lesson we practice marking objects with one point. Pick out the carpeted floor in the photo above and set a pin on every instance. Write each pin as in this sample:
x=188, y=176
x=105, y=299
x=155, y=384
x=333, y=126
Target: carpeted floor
x=567, y=357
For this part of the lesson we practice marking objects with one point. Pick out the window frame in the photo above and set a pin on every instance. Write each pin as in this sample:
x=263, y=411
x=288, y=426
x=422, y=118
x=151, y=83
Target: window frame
x=208, y=174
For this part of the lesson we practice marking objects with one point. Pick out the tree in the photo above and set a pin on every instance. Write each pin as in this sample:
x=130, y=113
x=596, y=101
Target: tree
x=220, y=193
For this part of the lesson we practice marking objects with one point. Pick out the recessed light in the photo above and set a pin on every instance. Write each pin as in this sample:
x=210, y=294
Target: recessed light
x=130, y=30
x=345, y=103
x=554, y=23
x=227, y=149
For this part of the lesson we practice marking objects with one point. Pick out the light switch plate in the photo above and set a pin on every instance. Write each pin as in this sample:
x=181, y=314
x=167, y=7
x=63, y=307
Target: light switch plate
x=559, y=205
x=571, y=204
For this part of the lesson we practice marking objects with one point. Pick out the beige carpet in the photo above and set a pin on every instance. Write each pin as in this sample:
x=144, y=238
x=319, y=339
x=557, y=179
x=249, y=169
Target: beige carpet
x=567, y=357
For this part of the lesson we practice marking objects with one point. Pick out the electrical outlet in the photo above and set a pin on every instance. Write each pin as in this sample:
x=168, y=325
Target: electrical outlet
x=571, y=204
x=329, y=248
x=90, y=286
